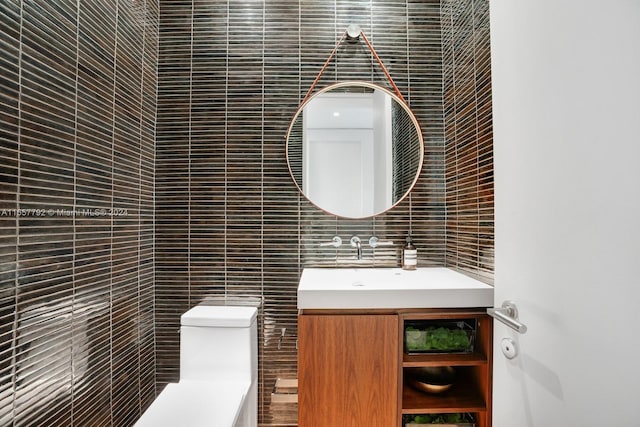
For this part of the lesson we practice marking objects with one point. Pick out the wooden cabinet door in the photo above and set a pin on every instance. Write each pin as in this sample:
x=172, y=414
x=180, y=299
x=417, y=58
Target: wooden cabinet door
x=348, y=370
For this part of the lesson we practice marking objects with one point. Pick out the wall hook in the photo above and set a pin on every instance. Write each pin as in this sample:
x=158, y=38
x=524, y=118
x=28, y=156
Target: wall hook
x=353, y=33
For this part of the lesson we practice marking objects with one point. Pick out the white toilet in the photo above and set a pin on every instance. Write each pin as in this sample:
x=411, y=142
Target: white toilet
x=218, y=372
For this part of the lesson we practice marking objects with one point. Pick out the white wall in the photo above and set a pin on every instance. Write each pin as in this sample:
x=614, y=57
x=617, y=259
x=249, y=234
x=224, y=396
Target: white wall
x=566, y=92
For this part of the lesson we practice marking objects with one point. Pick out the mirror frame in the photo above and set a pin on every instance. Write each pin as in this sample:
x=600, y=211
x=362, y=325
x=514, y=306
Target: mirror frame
x=367, y=85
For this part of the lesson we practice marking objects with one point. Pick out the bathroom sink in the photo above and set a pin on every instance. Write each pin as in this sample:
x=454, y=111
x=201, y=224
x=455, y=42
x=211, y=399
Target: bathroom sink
x=330, y=288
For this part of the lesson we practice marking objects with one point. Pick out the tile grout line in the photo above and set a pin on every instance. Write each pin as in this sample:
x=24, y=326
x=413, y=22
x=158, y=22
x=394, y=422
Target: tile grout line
x=14, y=338
x=75, y=206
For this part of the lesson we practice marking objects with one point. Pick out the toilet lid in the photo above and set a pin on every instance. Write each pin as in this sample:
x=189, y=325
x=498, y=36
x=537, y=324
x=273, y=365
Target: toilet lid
x=222, y=316
x=196, y=404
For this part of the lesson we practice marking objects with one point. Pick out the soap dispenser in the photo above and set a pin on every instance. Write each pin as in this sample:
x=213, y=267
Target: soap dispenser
x=409, y=255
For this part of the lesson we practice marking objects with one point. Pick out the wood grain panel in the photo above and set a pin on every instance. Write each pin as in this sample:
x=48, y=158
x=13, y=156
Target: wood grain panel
x=348, y=370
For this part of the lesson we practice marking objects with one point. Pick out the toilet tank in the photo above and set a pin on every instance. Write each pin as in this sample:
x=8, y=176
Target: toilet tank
x=219, y=342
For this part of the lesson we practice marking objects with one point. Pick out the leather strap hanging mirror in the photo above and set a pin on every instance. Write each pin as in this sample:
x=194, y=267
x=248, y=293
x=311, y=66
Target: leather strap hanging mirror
x=354, y=148
x=353, y=32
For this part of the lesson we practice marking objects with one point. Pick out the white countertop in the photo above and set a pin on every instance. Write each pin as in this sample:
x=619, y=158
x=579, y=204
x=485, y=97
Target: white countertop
x=362, y=288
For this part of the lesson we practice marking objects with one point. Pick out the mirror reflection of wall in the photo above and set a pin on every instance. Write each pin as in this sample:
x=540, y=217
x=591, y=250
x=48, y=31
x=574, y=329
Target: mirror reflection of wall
x=354, y=149
x=406, y=154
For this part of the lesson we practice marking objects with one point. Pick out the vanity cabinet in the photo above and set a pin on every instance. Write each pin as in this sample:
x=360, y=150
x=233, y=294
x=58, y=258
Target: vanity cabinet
x=348, y=366
x=352, y=368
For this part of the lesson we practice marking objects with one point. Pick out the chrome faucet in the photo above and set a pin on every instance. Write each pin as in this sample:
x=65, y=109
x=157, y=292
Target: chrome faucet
x=356, y=243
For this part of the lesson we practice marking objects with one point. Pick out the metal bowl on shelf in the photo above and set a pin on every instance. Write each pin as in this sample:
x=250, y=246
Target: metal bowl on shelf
x=432, y=379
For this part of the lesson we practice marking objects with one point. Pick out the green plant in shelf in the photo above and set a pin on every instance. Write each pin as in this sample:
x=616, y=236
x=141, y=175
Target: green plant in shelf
x=433, y=338
x=415, y=339
x=437, y=418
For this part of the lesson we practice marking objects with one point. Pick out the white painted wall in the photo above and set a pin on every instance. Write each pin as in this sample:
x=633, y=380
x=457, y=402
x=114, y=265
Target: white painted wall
x=566, y=91
x=337, y=154
x=338, y=168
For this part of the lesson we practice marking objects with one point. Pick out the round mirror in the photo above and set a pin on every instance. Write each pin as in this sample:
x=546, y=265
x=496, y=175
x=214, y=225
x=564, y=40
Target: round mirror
x=354, y=149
